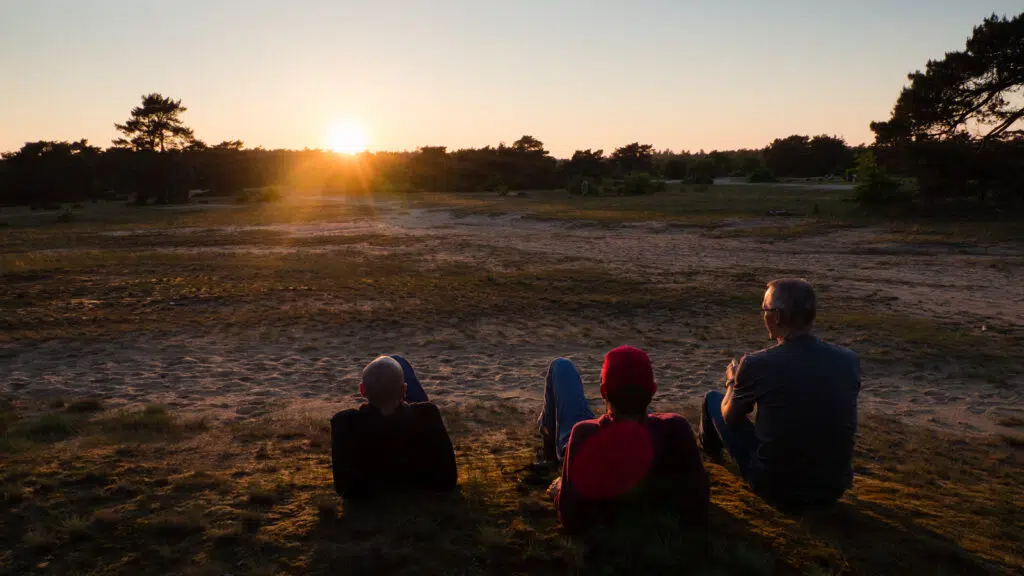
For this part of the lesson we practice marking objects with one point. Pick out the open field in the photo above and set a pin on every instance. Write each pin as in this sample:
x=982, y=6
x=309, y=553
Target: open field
x=250, y=323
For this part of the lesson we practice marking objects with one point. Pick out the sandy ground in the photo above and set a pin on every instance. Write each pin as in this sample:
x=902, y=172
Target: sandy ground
x=241, y=376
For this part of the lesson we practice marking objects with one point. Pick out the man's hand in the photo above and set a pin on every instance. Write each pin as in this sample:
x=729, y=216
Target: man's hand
x=731, y=371
x=554, y=488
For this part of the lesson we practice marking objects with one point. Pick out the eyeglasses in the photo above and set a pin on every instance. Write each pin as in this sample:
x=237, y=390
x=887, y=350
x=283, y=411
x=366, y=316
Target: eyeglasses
x=767, y=310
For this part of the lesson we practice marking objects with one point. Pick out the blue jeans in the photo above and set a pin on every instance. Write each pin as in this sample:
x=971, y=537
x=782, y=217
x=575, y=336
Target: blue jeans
x=413, y=389
x=565, y=405
x=740, y=441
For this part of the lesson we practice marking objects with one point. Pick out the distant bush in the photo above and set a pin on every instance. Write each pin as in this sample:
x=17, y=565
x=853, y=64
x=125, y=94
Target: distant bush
x=65, y=216
x=874, y=186
x=761, y=176
x=640, y=184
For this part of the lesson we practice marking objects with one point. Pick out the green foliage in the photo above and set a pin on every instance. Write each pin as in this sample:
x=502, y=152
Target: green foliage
x=588, y=164
x=761, y=176
x=45, y=172
x=49, y=427
x=640, y=184
x=153, y=419
x=874, y=186
x=633, y=157
x=702, y=172
x=957, y=126
x=969, y=93
x=805, y=157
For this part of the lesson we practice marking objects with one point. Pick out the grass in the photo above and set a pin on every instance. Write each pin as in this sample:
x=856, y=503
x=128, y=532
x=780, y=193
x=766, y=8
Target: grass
x=87, y=487
x=24, y=432
x=923, y=502
x=679, y=204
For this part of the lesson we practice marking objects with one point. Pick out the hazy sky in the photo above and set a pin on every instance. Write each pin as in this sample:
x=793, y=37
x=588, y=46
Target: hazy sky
x=680, y=74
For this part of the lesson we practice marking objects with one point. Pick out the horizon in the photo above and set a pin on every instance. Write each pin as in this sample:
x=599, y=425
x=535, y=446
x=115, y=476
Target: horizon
x=460, y=75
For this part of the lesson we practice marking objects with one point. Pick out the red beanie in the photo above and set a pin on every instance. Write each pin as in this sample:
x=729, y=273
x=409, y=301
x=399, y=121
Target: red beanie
x=627, y=366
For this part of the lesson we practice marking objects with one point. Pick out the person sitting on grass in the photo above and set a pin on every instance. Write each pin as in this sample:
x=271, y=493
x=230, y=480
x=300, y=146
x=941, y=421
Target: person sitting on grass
x=627, y=463
x=797, y=453
x=396, y=440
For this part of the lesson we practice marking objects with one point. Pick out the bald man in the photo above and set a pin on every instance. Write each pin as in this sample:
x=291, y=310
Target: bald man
x=396, y=441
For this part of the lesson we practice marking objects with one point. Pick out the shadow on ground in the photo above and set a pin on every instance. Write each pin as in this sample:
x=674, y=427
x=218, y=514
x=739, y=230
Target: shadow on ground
x=92, y=491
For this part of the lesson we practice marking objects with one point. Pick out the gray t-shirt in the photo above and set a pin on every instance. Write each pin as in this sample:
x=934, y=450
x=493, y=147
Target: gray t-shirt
x=805, y=392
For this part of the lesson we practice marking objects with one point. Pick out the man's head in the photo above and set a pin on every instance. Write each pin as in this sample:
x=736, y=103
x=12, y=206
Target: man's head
x=383, y=384
x=627, y=381
x=788, y=306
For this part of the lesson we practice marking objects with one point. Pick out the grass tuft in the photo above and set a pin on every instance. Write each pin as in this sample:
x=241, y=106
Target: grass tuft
x=49, y=427
x=85, y=405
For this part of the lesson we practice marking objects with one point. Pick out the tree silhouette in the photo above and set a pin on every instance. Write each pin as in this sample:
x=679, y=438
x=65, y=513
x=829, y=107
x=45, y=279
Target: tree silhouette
x=977, y=93
x=958, y=126
x=634, y=157
x=155, y=126
x=230, y=145
x=529, y=144
x=586, y=164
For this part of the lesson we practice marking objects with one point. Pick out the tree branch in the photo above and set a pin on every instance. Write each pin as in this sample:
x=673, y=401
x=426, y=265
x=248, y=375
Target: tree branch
x=1004, y=126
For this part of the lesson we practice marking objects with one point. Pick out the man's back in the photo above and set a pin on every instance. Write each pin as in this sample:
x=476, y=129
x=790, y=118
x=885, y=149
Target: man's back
x=615, y=466
x=408, y=449
x=805, y=392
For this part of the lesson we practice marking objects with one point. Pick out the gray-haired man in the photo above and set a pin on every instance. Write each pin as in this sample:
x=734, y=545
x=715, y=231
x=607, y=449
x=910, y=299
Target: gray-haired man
x=797, y=453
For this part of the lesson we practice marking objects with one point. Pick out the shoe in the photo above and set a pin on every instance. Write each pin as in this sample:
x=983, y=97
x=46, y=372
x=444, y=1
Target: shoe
x=713, y=455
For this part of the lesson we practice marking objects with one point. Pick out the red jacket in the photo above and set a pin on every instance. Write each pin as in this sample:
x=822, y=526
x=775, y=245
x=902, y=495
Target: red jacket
x=615, y=466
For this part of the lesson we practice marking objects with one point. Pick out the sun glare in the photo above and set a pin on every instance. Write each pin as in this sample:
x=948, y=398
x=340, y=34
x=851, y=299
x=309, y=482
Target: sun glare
x=347, y=138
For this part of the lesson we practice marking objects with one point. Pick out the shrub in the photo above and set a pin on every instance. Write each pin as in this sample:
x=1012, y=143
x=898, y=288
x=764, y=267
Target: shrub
x=640, y=184
x=65, y=216
x=874, y=186
x=49, y=427
x=153, y=419
x=761, y=176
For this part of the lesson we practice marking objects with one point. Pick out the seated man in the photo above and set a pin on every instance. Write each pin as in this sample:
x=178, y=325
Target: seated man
x=387, y=443
x=627, y=462
x=797, y=454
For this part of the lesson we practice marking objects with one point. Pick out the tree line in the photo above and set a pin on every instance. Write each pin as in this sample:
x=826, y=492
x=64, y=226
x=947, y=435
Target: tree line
x=954, y=136
x=158, y=159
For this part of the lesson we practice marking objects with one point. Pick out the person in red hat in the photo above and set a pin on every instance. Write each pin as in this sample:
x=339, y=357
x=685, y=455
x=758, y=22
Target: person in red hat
x=628, y=462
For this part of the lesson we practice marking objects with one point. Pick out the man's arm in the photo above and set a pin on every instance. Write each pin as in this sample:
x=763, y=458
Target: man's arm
x=740, y=393
x=440, y=474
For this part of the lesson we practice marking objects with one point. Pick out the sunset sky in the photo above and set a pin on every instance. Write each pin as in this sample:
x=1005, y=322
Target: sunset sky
x=680, y=74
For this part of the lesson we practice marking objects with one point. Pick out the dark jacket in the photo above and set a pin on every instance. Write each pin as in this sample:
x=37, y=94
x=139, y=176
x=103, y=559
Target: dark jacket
x=615, y=467
x=805, y=392
x=407, y=450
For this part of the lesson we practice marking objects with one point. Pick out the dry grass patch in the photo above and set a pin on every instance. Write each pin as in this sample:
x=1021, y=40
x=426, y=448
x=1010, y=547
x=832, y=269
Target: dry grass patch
x=918, y=506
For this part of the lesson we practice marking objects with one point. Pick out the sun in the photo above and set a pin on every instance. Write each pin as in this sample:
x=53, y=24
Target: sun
x=346, y=138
